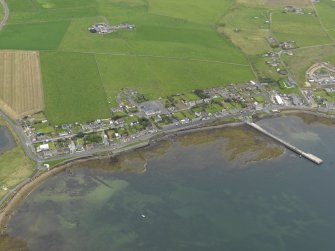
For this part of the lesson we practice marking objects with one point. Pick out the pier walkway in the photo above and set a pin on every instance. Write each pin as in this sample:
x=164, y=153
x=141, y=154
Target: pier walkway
x=308, y=156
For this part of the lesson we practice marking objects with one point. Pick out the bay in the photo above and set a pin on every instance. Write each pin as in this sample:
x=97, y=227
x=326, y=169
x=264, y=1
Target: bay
x=197, y=192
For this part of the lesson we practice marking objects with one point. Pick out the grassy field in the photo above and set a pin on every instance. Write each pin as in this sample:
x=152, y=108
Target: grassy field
x=263, y=70
x=305, y=30
x=20, y=83
x=2, y=13
x=325, y=10
x=156, y=77
x=252, y=26
x=73, y=89
x=277, y=3
x=196, y=11
x=177, y=46
x=33, y=36
x=306, y=57
x=170, y=51
x=155, y=35
x=35, y=11
x=15, y=166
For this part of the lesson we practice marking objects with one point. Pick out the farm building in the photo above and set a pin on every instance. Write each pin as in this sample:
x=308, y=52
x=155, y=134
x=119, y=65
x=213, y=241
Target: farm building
x=103, y=28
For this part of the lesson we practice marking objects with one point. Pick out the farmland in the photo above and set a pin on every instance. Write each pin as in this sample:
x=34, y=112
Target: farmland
x=20, y=83
x=153, y=75
x=277, y=3
x=177, y=46
x=252, y=26
x=199, y=12
x=49, y=11
x=33, y=36
x=304, y=29
x=73, y=89
x=1, y=12
x=173, y=49
x=325, y=10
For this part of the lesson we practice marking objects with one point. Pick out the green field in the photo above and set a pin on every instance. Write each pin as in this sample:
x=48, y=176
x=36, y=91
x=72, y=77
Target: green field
x=177, y=46
x=325, y=10
x=33, y=36
x=252, y=26
x=46, y=11
x=152, y=76
x=2, y=13
x=157, y=36
x=197, y=11
x=305, y=29
x=72, y=88
x=263, y=70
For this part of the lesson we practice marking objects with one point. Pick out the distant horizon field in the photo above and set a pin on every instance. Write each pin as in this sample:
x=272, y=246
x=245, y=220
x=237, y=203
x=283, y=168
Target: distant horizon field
x=276, y=3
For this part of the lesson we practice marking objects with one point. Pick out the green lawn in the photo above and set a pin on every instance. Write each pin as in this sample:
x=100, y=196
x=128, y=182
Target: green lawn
x=72, y=88
x=43, y=128
x=305, y=30
x=260, y=99
x=156, y=77
x=328, y=96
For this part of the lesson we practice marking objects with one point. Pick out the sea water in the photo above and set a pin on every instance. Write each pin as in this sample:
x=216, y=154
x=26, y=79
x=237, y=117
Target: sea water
x=191, y=196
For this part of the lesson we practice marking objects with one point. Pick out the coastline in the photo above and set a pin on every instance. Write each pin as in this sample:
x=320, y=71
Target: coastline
x=14, y=201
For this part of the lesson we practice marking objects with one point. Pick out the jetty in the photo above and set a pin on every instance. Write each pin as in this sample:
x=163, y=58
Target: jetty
x=308, y=156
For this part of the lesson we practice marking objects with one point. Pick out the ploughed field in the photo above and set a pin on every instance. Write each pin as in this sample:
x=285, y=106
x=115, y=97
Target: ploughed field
x=20, y=83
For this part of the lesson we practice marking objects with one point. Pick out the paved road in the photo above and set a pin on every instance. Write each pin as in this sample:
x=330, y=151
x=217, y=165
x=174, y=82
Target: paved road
x=5, y=18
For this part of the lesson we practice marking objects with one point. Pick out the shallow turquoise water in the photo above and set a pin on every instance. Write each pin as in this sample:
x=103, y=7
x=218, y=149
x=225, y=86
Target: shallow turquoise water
x=192, y=198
